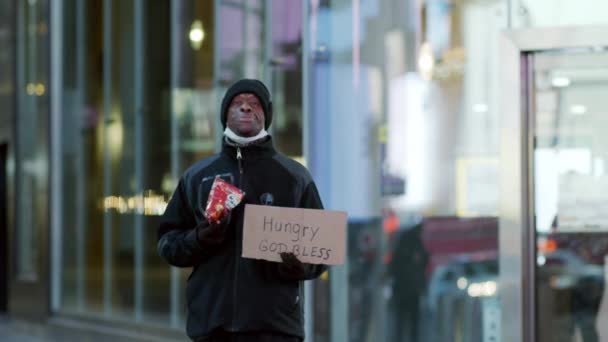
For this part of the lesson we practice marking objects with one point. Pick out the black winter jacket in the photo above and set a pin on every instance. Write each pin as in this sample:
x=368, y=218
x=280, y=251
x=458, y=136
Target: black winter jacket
x=224, y=290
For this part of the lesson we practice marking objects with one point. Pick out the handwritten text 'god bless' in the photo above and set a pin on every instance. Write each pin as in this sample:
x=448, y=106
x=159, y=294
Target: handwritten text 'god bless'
x=297, y=233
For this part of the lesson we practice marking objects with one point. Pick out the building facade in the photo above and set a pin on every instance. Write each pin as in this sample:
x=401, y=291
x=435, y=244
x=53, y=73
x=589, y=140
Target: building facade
x=464, y=138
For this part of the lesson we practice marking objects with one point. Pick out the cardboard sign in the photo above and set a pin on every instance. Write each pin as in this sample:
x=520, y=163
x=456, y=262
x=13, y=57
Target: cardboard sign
x=314, y=236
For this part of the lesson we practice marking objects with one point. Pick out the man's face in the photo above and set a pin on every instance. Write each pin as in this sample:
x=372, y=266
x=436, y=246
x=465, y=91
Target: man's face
x=245, y=115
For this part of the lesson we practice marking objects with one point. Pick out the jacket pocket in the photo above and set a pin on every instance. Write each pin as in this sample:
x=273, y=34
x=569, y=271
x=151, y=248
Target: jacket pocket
x=189, y=288
x=291, y=300
x=190, y=285
x=298, y=298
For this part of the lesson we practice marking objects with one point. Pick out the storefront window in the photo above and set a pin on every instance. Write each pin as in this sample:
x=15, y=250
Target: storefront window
x=139, y=109
x=82, y=158
x=286, y=73
x=7, y=87
x=7, y=104
x=264, y=40
x=415, y=83
x=32, y=136
x=194, y=124
x=141, y=86
x=241, y=40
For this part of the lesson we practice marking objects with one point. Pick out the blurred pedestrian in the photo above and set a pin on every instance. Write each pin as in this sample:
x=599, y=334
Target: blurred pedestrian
x=408, y=271
x=230, y=298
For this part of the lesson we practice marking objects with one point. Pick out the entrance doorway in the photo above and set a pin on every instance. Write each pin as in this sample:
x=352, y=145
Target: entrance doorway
x=3, y=232
x=554, y=212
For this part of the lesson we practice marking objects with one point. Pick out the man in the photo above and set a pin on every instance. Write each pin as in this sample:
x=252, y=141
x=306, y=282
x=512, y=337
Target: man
x=230, y=298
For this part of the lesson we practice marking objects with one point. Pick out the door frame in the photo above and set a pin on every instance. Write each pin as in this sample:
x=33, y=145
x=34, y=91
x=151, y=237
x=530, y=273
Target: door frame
x=4, y=273
x=517, y=243
x=7, y=149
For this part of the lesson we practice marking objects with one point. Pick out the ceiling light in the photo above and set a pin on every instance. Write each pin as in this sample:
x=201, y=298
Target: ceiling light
x=541, y=260
x=578, y=109
x=426, y=62
x=480, y=108
x=483, y=289
x=197, y=34
x=560, y=82
x=462, y=283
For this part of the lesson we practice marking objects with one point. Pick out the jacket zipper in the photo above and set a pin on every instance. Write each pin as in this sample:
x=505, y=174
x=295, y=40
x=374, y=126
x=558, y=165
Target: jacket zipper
x=239, y=158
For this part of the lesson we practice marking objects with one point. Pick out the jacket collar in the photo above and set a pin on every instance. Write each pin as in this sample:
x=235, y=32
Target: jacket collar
x=259, y=149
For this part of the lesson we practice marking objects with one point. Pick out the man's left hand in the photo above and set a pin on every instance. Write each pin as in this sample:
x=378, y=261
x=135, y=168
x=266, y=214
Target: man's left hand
x=291, y=267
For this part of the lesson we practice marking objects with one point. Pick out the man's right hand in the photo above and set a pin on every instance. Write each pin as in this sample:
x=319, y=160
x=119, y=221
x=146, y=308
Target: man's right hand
x=213, y=233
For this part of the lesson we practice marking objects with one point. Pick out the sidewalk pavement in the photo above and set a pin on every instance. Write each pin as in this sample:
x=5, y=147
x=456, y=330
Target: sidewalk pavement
x=11, y=331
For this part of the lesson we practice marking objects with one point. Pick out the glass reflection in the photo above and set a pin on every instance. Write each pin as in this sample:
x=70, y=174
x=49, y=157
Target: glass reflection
x=570, y=202
x=286, y=73
x=424, y=267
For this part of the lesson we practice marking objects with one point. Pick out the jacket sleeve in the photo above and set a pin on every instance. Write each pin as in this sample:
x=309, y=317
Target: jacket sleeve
x=177, y=233
x=311, y=200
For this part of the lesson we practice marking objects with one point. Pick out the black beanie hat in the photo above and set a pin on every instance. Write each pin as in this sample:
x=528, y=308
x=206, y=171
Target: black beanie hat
x=248, y=86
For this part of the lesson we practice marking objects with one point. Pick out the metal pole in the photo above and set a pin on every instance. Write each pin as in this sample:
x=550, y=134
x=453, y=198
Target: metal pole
x=81, y=215
x=175, y=40
x=306, y=53
x=138, y=63
x=267, y=53
x=107, y=166
x=20, y=106
x=527, y=170
x=338, y=280
x=308, y=286
x=217, y=66
x=56, y=165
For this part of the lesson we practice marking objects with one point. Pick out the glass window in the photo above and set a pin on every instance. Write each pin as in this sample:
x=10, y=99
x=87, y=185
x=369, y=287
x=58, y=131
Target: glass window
x=570, y=200
x=32, y=136
x=142, y=82
x=81, y=158
x=264, y=40
x=7, y=68
x=286, y=76
x=192, y=128
x=139, y=108
x=7, y=98
x=413, y=83
x=241, y=41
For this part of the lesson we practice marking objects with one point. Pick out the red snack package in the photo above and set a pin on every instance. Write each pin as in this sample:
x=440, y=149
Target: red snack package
x=223, y=197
